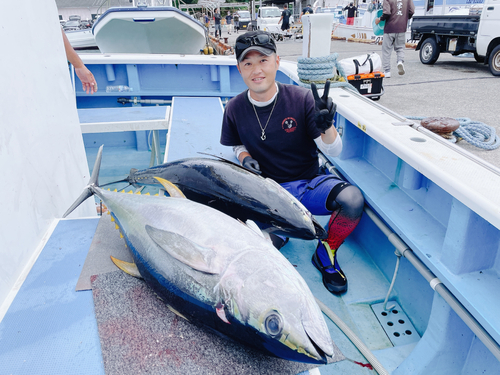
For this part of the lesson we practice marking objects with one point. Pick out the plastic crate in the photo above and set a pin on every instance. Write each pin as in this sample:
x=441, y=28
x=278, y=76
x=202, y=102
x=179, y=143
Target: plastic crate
x=369, y=84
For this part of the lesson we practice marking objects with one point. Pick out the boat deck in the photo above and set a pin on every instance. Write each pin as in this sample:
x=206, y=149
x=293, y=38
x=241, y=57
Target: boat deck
x=50, y=327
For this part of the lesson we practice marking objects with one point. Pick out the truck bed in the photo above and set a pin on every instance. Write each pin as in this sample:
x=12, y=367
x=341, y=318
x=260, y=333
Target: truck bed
x=458, y=25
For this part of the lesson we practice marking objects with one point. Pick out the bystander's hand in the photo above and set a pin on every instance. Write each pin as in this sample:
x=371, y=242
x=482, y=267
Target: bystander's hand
x=324, y=108
x=88, y=81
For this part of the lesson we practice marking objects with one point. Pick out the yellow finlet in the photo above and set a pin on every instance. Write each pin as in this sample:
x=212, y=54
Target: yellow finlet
x=177, y=312
x=112, y=218
x=116, y=226
x=115, y=191
x=130, y=192
x=127, y=267
x=171, y=189
x=147, y=193
x=121, y=235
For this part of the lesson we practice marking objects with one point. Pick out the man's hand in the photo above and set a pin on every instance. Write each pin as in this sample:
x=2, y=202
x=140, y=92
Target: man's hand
x=377, y=21
x=324, y=108
x=251, y=164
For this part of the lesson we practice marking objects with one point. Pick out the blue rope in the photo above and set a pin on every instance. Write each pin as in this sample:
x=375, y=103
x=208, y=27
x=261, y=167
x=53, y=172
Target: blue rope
x=474, y=132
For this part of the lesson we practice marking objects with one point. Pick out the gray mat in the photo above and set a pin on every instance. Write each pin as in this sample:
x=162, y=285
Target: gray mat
x=106, y=242
x=139, y=335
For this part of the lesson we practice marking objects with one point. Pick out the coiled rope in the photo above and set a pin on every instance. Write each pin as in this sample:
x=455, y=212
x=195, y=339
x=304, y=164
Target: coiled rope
x=318, y=69
x=474, y=132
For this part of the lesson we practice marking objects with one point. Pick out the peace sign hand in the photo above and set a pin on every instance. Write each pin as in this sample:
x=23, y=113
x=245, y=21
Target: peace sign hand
x=324, y=108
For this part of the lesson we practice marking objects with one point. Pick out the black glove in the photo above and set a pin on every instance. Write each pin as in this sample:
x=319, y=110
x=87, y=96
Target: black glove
x=251, y=164
x=324, y=108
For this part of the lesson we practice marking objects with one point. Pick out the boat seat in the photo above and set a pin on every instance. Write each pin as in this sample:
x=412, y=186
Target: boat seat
x=194, y=128
x=104, y=120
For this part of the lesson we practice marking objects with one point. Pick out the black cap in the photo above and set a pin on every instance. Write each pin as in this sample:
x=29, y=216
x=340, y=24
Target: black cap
x=259, y=40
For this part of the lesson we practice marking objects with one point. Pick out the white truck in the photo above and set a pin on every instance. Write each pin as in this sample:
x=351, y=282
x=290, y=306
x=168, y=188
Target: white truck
x=267, y=19
x=457, y=34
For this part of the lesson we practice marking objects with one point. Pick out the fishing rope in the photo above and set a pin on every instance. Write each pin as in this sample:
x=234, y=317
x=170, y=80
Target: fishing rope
x=474, y=132
x=318, y=69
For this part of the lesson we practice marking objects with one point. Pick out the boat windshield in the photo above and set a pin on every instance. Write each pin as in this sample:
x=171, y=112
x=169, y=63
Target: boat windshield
x=268, y=13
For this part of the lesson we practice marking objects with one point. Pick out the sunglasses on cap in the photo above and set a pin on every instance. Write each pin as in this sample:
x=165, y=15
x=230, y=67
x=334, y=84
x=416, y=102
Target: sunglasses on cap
x=261, y=39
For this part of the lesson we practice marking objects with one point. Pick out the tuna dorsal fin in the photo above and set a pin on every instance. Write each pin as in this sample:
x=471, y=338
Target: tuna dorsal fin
x=127, y=267
x=200, y=258
x=171, y=189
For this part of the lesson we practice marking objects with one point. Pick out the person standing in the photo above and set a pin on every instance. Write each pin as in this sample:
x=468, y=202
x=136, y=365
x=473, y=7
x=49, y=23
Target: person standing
x=217, y=19
x=306, y=10
x=275, y=130
x=351, y=13
x=285, y=17
x=396, y=14
x=236, y=19
x=229, y=22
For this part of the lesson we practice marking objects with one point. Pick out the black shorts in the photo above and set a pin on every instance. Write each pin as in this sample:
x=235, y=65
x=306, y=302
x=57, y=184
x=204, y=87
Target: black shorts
x=285, y=26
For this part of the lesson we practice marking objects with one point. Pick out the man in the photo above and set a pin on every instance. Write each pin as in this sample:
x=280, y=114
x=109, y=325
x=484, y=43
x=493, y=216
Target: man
x=396, y=14
x=229, y=23
x=285, y=17
x=351, y=13
x=236, y=20
x=217, y=19
x=306, y=10
x=275, y=130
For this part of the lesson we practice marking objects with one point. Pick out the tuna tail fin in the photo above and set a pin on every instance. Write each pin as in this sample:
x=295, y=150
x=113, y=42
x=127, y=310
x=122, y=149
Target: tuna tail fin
x=94, y=181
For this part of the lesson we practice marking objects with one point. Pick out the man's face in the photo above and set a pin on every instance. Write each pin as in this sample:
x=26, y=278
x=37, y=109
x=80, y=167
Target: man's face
x=259, y=73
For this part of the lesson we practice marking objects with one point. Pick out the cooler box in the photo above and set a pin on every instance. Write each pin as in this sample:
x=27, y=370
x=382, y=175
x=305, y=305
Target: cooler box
x=368, y=84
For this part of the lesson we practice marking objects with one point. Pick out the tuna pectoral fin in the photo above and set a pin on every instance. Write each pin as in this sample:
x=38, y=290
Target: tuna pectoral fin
x=171, y=189
x=198, y=257
x=127, y=267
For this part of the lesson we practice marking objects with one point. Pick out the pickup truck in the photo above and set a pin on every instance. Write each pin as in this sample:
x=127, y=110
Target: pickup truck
x=457, y=34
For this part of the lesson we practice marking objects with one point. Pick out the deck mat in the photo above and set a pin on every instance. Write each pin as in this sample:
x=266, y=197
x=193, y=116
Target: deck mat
x=106, y=242
x=139, y=334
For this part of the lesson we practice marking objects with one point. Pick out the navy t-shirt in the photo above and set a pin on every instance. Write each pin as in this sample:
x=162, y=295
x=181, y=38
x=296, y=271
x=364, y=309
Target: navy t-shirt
x=289, y=152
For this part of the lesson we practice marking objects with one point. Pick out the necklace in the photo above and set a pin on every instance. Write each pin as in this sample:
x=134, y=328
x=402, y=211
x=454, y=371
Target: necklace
x=263, y=135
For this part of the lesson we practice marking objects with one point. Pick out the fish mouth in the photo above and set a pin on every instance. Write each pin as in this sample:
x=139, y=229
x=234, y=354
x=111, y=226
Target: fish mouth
x=321, y=233
x=321, y=343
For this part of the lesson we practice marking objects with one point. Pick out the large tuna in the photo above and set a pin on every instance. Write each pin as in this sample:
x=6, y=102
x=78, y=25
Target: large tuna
x=220, y=272
x=237, y=192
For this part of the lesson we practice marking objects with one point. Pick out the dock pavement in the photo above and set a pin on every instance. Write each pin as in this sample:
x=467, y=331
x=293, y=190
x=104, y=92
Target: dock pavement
x=454, y=86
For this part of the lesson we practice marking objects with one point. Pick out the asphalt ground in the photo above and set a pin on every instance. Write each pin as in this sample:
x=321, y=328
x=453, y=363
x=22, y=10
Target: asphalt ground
x=452, y=87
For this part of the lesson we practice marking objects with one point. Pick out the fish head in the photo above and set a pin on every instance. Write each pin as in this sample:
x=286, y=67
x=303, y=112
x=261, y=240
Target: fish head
x=283, y=313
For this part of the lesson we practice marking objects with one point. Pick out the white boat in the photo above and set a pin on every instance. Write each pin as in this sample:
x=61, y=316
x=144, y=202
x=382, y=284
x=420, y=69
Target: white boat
x=81, y=39
x=145, y=29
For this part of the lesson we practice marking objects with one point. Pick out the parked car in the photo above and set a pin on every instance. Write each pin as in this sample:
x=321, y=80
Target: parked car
x=74, y=18
x=85, y=24
x=71, y=26
x=245, y=20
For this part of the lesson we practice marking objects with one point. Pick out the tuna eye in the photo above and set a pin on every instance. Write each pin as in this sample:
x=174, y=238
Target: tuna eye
x=274, y=324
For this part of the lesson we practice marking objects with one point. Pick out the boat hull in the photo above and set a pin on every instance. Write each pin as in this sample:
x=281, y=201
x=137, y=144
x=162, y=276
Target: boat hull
x=81, y=39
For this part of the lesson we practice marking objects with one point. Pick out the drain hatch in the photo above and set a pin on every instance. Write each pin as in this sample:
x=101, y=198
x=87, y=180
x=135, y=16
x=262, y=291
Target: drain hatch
x=395, y=323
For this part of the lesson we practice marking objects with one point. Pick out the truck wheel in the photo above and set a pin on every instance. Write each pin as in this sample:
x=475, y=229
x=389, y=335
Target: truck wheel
x=494, y=61
x=429, y=51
